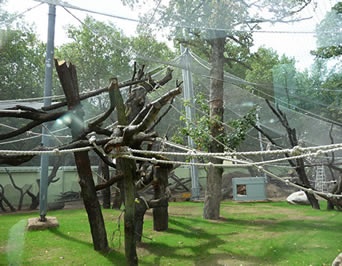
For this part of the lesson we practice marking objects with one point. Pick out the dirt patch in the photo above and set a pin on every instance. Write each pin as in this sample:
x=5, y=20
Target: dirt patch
x=226, y=259
x=184, y=211
x=74, y=205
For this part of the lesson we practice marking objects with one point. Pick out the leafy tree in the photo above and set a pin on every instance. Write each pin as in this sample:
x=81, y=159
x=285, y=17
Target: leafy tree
x=262, y=63
x=22, y=65
x=200, y=130
x=217, y=28
x=326, y=71
x=329, y=34
x=148, y=51
x=284, y=81
x=21, y=69
x=100, y=52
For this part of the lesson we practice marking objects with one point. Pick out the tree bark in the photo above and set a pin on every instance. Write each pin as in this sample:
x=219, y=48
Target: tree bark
x=68, y=78
x=106, y=194
x=140, y=209
x=128, y=168
x=213, y=196
x=160, y=214
x=300, y=169
x=118, y=197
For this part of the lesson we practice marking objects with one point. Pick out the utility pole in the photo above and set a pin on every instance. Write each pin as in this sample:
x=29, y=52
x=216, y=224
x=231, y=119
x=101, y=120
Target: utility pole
x=190, y=114
x=44, y=161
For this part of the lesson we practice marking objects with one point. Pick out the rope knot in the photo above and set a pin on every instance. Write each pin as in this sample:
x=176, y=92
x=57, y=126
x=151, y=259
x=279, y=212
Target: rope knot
x=92, y=140
x=297, y=150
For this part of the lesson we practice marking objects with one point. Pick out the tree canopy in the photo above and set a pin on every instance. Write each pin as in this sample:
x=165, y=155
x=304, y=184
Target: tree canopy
x=329, y=34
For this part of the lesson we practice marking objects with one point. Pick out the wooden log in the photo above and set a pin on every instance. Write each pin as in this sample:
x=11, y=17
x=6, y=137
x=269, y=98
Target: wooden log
x=68, y=78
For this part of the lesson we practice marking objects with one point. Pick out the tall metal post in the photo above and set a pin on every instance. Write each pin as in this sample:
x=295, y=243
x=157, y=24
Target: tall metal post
x=44, y=162
x=190, y=114
x=260, y=136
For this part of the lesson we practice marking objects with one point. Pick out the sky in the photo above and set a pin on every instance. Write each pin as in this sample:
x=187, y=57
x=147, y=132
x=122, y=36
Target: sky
x=292, y=39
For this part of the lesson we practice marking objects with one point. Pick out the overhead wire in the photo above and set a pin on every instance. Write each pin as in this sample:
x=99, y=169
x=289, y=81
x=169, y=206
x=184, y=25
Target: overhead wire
x=12, y=18
x=123, y=49
x=237, y=81
x=66, y=5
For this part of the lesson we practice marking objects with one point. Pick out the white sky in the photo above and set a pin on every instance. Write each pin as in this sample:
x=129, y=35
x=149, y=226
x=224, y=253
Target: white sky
x=297, y=45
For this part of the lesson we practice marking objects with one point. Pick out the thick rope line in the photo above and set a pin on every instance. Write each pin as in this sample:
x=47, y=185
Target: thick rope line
x=260, y=168
x=241, y=163
x=54, y=151
x=297, y=152
x=308, y=190
x=156, y=161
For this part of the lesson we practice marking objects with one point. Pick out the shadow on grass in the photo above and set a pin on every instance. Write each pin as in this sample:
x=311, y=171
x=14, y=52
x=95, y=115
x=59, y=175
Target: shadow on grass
x=215, y=240
x=281, y=225
x=203, y=253
x=58, y=233
x=111, y=255
x=292, y=230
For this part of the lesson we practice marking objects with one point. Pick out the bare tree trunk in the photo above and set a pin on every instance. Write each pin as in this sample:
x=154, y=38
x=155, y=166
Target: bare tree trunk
x=105, y=192
x=300, y=169
x=118, y=197
x=128, y=168
x=68, y=78
x=140, y=209
x=160, y=214
x=213, y=196
x=297, y=164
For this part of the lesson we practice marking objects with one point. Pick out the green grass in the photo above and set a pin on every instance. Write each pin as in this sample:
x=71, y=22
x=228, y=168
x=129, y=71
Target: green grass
x=247, y=234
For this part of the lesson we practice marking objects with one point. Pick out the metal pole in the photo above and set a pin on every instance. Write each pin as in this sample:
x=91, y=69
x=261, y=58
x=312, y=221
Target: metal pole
x=189, y=114
x=44, y=162
x=260, y=136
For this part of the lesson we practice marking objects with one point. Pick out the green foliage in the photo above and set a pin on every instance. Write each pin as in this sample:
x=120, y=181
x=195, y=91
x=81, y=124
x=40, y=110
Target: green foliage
x=22, y=65
x=326, y=77
x=331, y=93
x=240, y=128
x=328, y=52
x=22, y=58
x=329, y=33
x=284, y=81
x=262, y=63
x=150, y=52
x=99, y=51
x=200, y=130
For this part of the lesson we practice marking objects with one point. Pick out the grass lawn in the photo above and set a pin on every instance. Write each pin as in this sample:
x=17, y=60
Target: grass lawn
x=248, y=234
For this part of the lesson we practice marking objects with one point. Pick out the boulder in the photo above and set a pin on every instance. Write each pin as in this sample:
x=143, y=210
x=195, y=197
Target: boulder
x=338, y=260
x=298, y=197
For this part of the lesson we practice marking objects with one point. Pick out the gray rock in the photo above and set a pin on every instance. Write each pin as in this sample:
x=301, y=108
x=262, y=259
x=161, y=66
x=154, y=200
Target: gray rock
x=298, y=197
x=338, y=260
